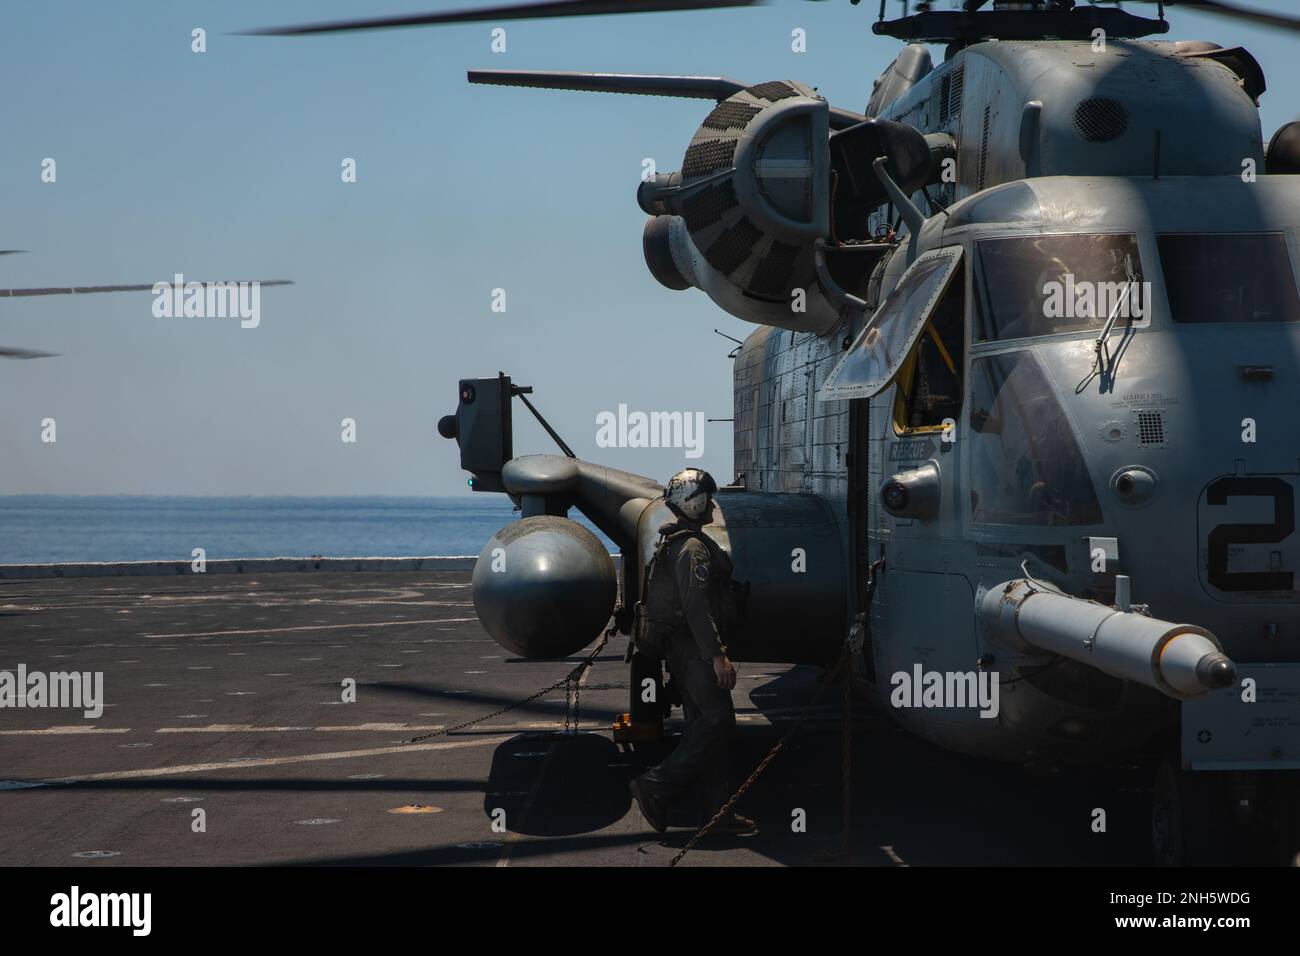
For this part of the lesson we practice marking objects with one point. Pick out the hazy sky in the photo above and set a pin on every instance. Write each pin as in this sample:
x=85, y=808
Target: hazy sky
x=226, y=165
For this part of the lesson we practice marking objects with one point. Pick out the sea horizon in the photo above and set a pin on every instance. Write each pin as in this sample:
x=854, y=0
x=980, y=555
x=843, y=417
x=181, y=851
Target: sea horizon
x=58, y=529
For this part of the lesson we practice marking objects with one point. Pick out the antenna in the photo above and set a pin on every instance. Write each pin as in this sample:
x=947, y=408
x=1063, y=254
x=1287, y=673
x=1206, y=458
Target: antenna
x=522, y=392
x=734, y=352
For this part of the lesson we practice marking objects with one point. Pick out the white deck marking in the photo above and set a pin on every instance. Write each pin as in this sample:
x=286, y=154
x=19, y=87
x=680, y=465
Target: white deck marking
x=67, y=729
x=314, y=627
x=245, y=763
x=897, y=860
x=253, y=729
x=227, y=729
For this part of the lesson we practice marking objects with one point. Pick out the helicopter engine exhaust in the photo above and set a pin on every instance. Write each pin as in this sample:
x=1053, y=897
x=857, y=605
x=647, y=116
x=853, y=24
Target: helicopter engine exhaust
x=1179, y=660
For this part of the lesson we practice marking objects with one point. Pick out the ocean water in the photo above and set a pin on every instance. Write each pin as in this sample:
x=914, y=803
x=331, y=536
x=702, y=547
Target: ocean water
x=35, y=529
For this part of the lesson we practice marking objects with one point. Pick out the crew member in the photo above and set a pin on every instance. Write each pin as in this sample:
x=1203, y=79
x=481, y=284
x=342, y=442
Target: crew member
x=679, y=621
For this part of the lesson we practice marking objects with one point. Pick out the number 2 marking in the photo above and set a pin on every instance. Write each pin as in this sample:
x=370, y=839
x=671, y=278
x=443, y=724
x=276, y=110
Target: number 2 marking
x=1283, y=495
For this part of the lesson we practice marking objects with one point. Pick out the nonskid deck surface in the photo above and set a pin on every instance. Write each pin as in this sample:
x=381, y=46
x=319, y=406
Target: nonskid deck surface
x=223, y=693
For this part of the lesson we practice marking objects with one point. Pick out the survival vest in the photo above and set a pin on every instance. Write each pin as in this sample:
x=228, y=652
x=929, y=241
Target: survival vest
x=658, y=612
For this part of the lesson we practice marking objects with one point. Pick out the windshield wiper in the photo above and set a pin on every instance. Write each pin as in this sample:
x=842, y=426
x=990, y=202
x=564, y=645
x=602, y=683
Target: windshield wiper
x=1103, y=362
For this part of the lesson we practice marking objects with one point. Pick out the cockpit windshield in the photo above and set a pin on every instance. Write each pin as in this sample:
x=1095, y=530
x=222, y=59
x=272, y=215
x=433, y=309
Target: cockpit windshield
x=1042, y=285
x=1239, y=277
x=1026, y=467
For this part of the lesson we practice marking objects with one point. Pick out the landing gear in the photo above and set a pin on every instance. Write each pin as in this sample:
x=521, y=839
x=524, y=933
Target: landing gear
x=641, y=729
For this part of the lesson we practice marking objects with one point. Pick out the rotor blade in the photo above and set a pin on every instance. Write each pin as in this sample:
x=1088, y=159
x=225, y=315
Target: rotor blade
x=642, y=84
x=11, y=252
x=24, y=353
x=545, y=9
x=1285, y=21
x=87, y=289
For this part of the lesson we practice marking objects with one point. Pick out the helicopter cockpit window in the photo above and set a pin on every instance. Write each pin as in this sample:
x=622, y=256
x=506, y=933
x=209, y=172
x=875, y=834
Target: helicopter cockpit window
x=1026, y=467
x=1240, y=277
x=878, y=353
x=930, y=382
x=1042, y=285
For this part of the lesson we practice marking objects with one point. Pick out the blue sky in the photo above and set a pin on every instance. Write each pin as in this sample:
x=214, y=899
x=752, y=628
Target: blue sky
x=226, y=165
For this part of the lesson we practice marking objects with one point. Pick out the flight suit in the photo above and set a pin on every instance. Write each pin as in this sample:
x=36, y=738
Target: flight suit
x=685, y=609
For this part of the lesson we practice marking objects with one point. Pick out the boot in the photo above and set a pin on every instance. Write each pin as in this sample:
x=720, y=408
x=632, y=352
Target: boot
x=651, y=805
x=733, y=824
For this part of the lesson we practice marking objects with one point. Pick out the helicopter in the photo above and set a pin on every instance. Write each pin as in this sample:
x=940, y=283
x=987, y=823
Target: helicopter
x=1016, y=410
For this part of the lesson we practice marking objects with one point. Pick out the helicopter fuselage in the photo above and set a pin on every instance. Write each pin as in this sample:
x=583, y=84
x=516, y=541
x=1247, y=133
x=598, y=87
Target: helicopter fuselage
x=1163, y=450
x=1195, y=412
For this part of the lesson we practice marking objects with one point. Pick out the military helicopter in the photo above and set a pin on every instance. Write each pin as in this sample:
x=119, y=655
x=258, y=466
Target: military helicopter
x=1026, y=325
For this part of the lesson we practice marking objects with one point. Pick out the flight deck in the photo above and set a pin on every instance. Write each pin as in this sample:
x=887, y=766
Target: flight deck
x=224, y=693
